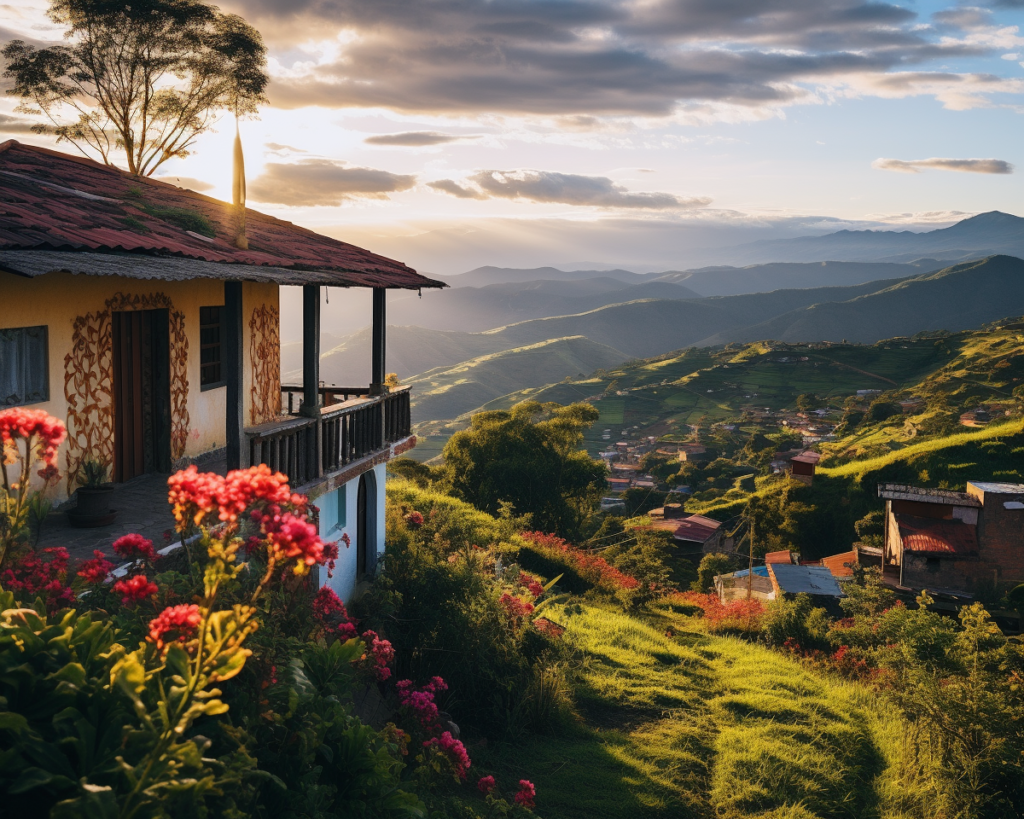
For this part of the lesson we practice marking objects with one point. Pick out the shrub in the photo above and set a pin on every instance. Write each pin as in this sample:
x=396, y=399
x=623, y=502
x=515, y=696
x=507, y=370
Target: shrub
x=735, y=617
x=796, y=622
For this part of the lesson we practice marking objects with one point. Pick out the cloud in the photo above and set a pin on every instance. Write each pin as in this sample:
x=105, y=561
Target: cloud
x=278, y=148
x=452, y=187
x=197, y=185
x=314, y=182
x=563, y=188
x=998, y=166
x=15, y=125
x=597, y=58
x=414, y=139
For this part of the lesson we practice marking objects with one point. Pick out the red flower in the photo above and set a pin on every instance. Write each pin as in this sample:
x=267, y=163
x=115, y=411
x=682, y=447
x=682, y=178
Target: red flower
x=380, y=654
x=40, y=574
x=486, y=785
x=179, y=621
x=515, y=608
x=46, y=432
x=414, y=519
x=454, y=750
x=135, y=547
x=292, y=537
x=135, y=589
x=195, y=495
x=330, y=556
x=96, y=570
x=526, y=794
x=531, y=584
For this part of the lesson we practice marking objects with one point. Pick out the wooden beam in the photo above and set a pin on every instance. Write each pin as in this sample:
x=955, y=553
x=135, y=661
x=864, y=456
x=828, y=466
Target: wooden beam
x=377, y=364
x=233, y=363
x=310, y=348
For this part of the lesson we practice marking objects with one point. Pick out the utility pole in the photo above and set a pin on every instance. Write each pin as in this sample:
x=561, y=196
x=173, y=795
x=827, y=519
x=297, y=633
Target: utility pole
x=750, y=562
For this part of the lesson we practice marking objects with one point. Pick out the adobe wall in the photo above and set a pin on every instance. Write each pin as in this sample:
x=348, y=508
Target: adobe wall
x=945, y=573
x=1001, y=538
x=76, y=311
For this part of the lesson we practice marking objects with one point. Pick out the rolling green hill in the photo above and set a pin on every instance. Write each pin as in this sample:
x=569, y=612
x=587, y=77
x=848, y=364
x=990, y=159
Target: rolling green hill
x=447, y=392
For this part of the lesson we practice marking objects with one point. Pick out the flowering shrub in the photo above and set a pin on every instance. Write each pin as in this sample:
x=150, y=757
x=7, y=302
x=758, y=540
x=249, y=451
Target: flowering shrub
x=135, y=547
x=96, y=570
x=27, y=438
x=452, y=751
x=417, y=704
x=40, y=574
x=586, y=567
x=531, y=584
x=526, y=794
x=516, y=609
x=379, y=655
x=486, y=785
x=737, y=616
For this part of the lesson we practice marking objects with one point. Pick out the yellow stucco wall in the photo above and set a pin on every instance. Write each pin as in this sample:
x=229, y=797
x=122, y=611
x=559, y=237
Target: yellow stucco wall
x=57, y=300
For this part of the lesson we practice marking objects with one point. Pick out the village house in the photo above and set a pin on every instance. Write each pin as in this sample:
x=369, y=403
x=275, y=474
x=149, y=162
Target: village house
x=803, y=465
x=952, y=541
x=789, y=580
x=146, y=317
x=753, y=583
x=692, y=531
x=692, y=453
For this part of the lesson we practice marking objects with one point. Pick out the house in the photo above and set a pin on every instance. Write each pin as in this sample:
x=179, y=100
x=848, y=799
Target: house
x=950, y=541
x=147, y=318
x=697, y=530
x=618, y=484
x=738, y=585
x=802, y=466
x=692, y=453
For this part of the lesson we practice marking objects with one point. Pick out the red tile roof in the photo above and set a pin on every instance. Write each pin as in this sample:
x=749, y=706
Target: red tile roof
x=53, y=201
x=938, y=537
x=695, y=529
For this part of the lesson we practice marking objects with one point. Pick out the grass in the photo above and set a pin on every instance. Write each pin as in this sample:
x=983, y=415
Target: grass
x=697, y=725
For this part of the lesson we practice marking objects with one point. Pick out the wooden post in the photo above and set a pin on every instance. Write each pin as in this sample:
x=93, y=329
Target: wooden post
x=377, y=363
x=237, y=448
x=311, y=376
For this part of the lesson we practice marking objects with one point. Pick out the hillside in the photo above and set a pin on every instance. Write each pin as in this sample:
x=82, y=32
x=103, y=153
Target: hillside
x=956, y=298
x=450, y=392
x=483, y=276
x=762, y=278
x=983, y=235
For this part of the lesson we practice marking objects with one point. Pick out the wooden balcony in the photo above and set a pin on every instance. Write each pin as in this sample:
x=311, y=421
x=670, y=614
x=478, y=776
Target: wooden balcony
x=310, y=447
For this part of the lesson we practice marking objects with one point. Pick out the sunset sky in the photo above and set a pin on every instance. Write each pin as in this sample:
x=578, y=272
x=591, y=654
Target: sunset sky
x=454, y=133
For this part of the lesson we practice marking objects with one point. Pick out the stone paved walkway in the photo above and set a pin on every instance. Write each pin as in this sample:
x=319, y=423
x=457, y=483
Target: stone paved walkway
x=141, y=505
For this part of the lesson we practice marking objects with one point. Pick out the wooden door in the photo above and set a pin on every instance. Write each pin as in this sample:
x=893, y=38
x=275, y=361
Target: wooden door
x=141, y=392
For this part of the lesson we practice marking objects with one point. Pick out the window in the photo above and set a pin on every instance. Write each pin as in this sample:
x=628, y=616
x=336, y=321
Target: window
x=24, y=366
x=211, y=337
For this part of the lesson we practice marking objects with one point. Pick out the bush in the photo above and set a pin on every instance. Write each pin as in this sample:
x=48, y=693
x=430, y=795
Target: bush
x=795, y=623
x=712, y=565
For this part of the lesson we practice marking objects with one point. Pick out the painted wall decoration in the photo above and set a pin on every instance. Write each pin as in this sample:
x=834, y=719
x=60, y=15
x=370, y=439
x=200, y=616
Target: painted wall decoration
x=89, y=378
x=265, y=355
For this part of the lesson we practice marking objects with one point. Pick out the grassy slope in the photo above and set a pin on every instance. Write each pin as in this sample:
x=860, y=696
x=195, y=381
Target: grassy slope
x=449, y=392
x=703, y=726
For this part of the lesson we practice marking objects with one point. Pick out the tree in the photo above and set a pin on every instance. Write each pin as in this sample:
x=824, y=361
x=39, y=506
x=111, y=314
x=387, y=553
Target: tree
x=528, y=456
x=146, y=77
x=807, y=401
x=711, y=565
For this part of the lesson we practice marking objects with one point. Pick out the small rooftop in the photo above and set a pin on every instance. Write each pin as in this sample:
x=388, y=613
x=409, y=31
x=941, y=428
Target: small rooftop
x=995, y=488
x=805, y=580
x=898, y=491
x=696, y=529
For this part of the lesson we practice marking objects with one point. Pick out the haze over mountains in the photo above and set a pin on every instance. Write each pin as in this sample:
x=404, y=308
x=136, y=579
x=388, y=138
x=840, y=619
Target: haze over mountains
x=497, y=331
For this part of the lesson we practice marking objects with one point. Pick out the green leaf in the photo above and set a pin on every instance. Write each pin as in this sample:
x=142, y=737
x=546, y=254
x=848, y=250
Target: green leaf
x=95, y=803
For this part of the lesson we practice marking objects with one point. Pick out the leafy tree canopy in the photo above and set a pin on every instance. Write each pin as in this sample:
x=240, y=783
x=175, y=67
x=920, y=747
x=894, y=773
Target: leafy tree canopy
x=528, y=456
x=146, y=78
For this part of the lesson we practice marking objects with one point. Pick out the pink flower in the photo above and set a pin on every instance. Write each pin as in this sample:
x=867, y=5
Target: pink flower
x=486, y=785
x=380, y=654
x=526, y=794
x=531, y=584
x=135, y=589
x=134, y=547
x=96, y=570
x=454, y=750
x=290, y=536
x=45, y=432
x=515, y=608
x=329, y=557
x=180, y=621
x=327, y=606
x=414, y=519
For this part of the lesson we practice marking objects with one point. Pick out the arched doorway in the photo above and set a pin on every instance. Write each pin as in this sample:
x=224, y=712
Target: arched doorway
x=366, y=526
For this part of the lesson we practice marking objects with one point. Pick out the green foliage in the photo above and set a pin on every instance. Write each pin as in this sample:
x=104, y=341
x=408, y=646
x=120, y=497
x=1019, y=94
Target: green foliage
x=796, y=620
x=711, y=565
x=529, y=456
x=411, y=470
x=92, y=473
x=641, y=501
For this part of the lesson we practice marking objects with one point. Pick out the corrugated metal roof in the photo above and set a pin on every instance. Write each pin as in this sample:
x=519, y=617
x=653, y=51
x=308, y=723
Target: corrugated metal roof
x=897, y=491
x=837, y=563
x=938, y=537
x=783, y=556
x=805, y=579
x=806, y=458
x=996, y=488
x=695, y=529
x=51, y=201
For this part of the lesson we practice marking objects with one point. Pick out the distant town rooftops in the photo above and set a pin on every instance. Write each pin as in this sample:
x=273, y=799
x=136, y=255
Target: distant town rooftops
x=899, y=491
x=939, y=537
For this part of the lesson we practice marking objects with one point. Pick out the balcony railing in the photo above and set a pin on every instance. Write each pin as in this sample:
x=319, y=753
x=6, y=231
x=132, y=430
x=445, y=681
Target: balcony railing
x=291, y=396
x=309, y=448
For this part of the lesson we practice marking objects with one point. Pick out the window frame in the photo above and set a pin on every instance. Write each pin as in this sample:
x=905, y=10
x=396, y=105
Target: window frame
x=222, y=382
x=22, y=402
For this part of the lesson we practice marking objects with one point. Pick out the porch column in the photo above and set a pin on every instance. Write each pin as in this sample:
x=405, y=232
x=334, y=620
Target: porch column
x=377, y=364
x=237, y=447
x=311, y=377
x=310, y=349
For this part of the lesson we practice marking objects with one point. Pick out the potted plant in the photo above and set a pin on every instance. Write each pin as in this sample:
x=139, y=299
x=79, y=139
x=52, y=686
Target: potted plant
x=93, y=496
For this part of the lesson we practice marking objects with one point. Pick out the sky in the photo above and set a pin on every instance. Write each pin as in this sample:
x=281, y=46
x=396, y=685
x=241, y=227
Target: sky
x=644, y=134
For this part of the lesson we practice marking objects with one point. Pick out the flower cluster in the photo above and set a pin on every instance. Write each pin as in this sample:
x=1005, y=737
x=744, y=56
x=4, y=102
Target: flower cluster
x=40, y=574
x=174, y=623
x=531, y=584
x=96, y=570
x=453, y=750
x=330, y=612
x=195, y=495
x=414, y=519
x=515, y=607
x=486, y=785
x=526, y=794
x=735, y=616
x=330, y=557
x=418, y=703
x=548, y=628
x=38, y=427
x=135, y=547
x=289, y=536
x=135, y=589
x=379, y=655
